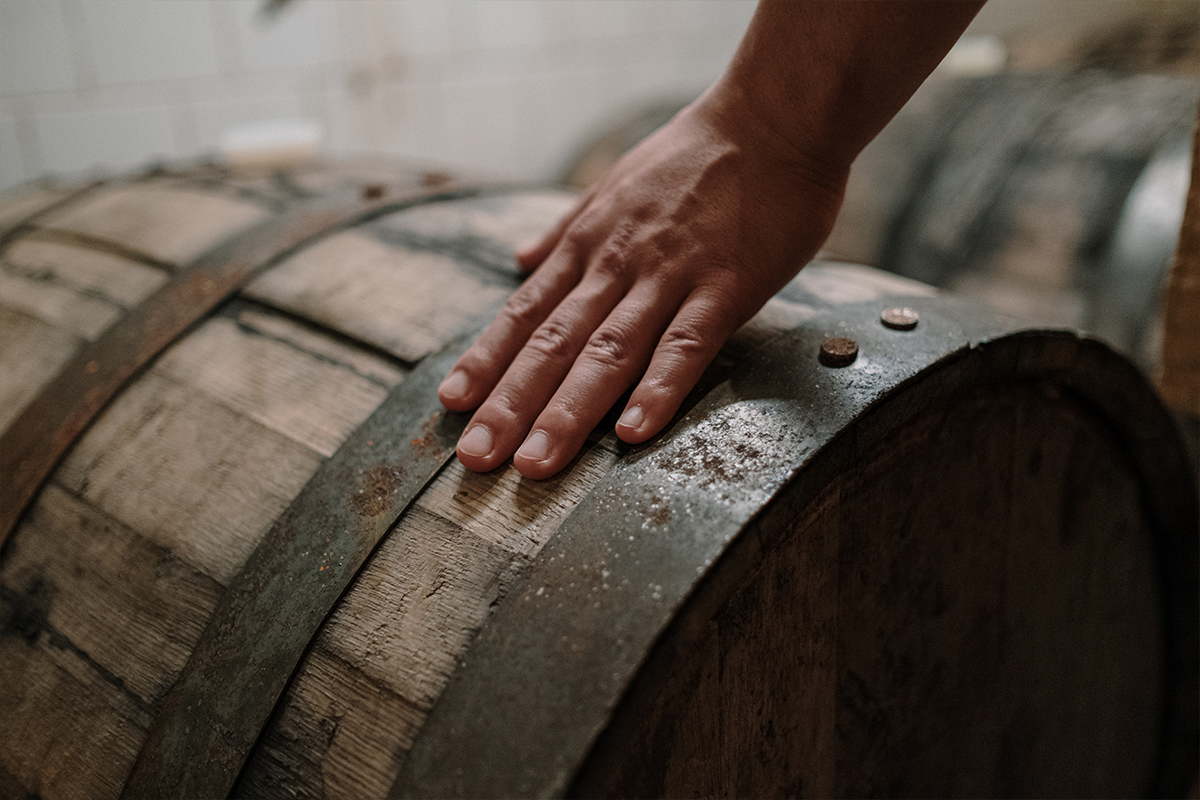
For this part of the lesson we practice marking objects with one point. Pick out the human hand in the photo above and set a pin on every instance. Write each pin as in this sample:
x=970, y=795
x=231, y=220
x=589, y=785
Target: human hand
x=682, y=242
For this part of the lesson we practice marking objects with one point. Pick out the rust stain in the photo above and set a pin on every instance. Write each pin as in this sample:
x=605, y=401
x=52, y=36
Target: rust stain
x=428, y=438
x=379, y=486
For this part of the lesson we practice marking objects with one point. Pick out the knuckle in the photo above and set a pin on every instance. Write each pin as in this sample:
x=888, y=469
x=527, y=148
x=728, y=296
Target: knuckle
x=612, y=263
x=577, y=237
x=552, y=340
x=684, y=339
x=608, y=347
x=524, y=306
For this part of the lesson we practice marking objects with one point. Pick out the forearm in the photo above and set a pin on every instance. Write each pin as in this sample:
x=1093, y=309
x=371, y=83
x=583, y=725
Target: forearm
x=823, y=77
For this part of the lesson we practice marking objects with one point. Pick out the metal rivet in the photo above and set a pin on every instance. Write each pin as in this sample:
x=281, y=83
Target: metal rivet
x=900, y=319
x=373, y=191
x=838, y=352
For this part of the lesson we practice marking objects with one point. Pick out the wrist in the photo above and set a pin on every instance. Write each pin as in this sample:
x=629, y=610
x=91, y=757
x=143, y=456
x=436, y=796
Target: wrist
x=740, y=116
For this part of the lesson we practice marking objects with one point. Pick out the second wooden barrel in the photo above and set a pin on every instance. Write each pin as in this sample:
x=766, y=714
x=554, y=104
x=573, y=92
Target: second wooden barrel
x=240, y=557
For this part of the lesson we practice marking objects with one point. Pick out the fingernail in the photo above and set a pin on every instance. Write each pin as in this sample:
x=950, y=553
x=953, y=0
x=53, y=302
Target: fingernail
x=536, y=447
x=477, y=441
x=632, y=418
x=455, y=384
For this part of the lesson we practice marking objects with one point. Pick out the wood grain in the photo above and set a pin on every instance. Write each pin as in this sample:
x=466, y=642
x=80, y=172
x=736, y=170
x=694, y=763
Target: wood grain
x=274, y=383
x=501, y=222
x=406, y=622
x=31, y=353
x=942, y=618
x=136, y=609
x=167, y=224
x=406, y=302
x=61, y=307
x=86, y=270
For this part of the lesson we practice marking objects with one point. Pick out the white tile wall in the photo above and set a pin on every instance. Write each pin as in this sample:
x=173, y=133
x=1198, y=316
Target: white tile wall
x=34, y=52
x=133, y=41
x=286, y=40
x=502, y=87
x=423, y=28
x=92, y=140
x=11, y=163
x=212, y=119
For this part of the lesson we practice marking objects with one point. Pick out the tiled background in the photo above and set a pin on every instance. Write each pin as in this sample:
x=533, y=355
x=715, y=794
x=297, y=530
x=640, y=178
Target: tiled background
x=494, y=88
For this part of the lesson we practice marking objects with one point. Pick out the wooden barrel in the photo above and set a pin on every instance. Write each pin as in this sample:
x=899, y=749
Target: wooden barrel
x=240, y=557
x=1057, y=196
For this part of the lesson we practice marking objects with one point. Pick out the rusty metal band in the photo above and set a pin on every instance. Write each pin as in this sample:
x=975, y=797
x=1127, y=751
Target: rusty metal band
x=246, y=656
x=624, y=564
x=38, y=438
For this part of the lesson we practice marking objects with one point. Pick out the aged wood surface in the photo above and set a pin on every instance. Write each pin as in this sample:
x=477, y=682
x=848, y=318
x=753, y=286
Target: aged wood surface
x=942, y=619
x=402, y=627
x=26, y=201
x=54, y=295
x=412, y=281
x=406, y=303
x=192, y=462
x=84, y=268
x=168, y=224
x=116, y=569
x=32, y=352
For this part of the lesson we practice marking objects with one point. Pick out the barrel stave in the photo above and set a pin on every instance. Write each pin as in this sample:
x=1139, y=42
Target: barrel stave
x=406, y=622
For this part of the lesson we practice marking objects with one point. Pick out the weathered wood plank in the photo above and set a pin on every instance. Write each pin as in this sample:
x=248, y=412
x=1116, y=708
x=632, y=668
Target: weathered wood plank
x=168, y=224
x=59, y=306
x=335, y=737
x=407, y=303
x=352, y=174
x=67, y=732
x=504, y=221
x=513, y=512
x=134, y=608
x=314, y=401
x=410, y=616
x=31, y=353
x=88, y=271
x=187, y=473
x=26, y=201
x=320, y=344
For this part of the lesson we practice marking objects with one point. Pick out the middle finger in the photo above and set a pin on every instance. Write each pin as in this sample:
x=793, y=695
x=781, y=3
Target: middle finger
x=503, y=420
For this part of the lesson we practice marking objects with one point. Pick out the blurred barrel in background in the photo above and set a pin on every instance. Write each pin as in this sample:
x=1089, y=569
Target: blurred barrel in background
x=1056, y=197
x=241, y=558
